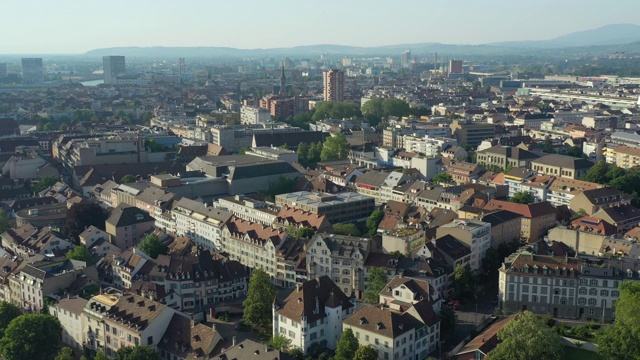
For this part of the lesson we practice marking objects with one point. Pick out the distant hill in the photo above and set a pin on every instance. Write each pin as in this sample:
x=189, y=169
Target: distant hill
x=600, y=40
x=615, y=34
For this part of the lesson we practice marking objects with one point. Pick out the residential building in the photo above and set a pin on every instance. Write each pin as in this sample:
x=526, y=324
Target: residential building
x=297, y=218
x=254, y=115
x=404, y=241
x=338, y=208
x=313, y=314
x=32, y=71
x=474, y=233
x=113, y=67
x=480, y=346
x=69, y=311
x=370, y=184
x=463, y=172
x=247, y=208
x=627, y=157
x=341, y=258
x=127, y=225
x=203, y=224
x=185, y=339
x=561, y=166
x=333, y=85
x=27, y=240
x=537, y=218
x=592, y=201
x=623, y=217
x=505, y=227
x=249, y=349
x=564, y=287
x=561, y=191
x=472, y=133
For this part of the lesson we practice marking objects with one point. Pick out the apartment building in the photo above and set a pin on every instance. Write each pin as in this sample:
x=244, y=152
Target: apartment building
x=203, y=224
x=565, y=287
x=561, y=166
x=623, y=217
x=313, y=314
x=463, y=172
x=370, y=184
x=474, y=233
x=254, y=115
x=427, y=145
x=505, y=227
x=627, y=157
x=471, y=133
x=561, y=191
x=341, y=258
x=594, y=200
x=338, y=208
x=247, y=208
x=537, y=218
x=127, y=225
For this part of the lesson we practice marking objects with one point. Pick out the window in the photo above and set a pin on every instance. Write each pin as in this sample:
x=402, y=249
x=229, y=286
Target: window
x=582, y=301
x=592, y=302
x=615, y=293
x=366, y=338
x=150, y=340
x=582, y=291
x=604, y=292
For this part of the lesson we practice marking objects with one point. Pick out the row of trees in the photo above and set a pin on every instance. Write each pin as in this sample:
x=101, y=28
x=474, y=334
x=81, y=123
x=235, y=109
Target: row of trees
x=335, y=147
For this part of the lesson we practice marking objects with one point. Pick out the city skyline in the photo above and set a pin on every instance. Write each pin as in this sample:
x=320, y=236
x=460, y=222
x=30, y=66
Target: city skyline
x=280, y=24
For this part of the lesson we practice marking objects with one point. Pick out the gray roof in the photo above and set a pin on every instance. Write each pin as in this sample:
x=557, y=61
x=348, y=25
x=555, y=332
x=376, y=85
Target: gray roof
x=564, y=161
x=373, y=178
x=125, y=215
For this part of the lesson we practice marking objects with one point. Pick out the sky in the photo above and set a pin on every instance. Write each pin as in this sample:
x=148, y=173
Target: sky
x=77, y=26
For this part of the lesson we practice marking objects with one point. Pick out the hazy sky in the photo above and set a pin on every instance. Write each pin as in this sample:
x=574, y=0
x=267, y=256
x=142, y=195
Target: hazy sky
x=76, y=26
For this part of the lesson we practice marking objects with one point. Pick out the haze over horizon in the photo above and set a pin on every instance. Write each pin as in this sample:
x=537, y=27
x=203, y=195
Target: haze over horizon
x=75, y=26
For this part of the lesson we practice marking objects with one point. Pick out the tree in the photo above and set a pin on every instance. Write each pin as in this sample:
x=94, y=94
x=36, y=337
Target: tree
x=315, y=150
x=347, y=346
x=346, y=229
x=280, y=342
x=260, y=296
x=377, y=282
x=548, y=146
x=137, y=353
x=575, y=151
x=303, y=151
x=244, y=150
x=463, y=282
x=152, y=246
x=304, y=233
x=335, y=148
x=44, y=183
x=448, y=321
x=82, y=215
x=8, y=312
x=128, y=179
x=598, y=173
x=372, y=111
x=281, y=186
x=66, y=353
x=31, y=336
x=621, y=340
x=580, y=213
x=5, y=222
x=100, y=356
x=527, y=337
x=522, y=197
x=335, y=110
x=79, y=253
x=366, y=353
x=395, y=107
x=442, y=177
x=373, y=221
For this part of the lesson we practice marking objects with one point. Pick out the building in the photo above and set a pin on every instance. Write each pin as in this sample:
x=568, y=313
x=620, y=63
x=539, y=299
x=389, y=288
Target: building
x=249, y=349
x=472, y=133
x=69, y=311
x=623, y=217
x=537, y=218
x=561, y=166
x=464, y=172
x=480, y=346
x=627, y=157
x=405, y=58
x=52, y=215
x=3, y=70
x=455, y=66
x=340, y=257
x=247, y=208
x=313, y=314
x=200, y=223
x=475, y=233
x=127, y=225
x=333, y=85
x=564, y=287
x=506, y=157
x=185, y=339
x=338, y=208
x=113, y=67
x=32, y=71
x=254, y=115
x=27, y=240
x=505, y=227
x=592, y=201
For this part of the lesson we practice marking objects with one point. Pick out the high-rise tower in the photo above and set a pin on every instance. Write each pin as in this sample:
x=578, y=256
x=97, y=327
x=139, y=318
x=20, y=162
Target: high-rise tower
x=113, y=67
x=333, y=85
x=32, y=71
x=283, y=82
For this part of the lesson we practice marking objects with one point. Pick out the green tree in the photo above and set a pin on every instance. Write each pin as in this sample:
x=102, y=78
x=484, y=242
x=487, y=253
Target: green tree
x=100, y=356
x=621, y=340
x=315, y=150
x=372, y=111
x=548, y=146
x=137, y=353
x=442, y=177
x=244, y=150
x=527, y=337
x=304, y=233
x=63, y=127
x=79, y=253
x=335, y=110
x=128, y=179
x=44, y=183
x=366, y=353
x=448, y=321
x=377, y=282
x=152, y=246
x=373, y=221
x=31, y=336
x=303, y=151
x=335, y=148
x=346, y=229
x=8, y=312
x=575, y=151
x=82, y=215
x=522, y=197
x=347, y=346
x=280, y=342
x=5, y=222
x=463, y=282
x=395, y=107
x=260, y=296
x=66, y=353
x=580, y=213
x=598, y=173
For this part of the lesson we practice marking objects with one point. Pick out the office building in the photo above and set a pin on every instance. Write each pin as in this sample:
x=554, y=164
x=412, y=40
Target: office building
x=333, y=85
x=338, y=208
x=113, y=67
x=32, y=71
x=472, y=133
x=455, y=66
x=405, y=58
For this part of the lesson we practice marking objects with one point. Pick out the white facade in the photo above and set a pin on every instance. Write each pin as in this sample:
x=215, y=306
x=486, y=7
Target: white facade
x=254, y=115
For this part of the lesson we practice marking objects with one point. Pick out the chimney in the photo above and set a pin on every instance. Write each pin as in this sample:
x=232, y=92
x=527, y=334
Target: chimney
x=298, y=286
x=193, y=323
x=213, y=327
x=233, y=341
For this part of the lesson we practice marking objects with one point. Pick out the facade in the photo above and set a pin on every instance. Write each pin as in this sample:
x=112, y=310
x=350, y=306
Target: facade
x=202, y=224
x=313, y=314
x=592, y=201
x=69, y=313
x=506, y=157
x=113, y=66
x=333, y=85
x=472, y=133
x=505, y=227
x=246, y=208
x=562, y=286
x=341, y=258
x=32, y=71
x=561, y=166
x=127, y=225
x=537, y=218
x=337, y=208
x=254, y=115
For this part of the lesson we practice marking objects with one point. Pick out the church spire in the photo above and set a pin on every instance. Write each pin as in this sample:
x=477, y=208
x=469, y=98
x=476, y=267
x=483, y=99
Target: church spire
x=283, y=81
